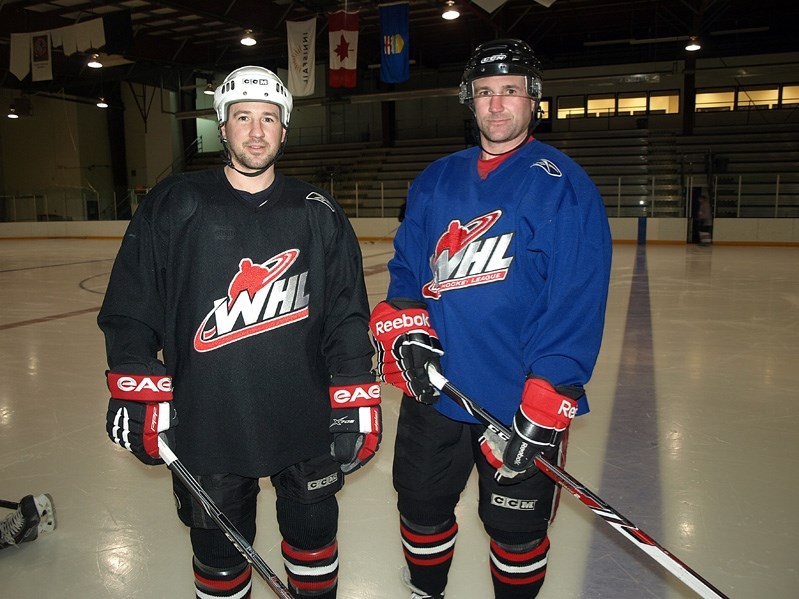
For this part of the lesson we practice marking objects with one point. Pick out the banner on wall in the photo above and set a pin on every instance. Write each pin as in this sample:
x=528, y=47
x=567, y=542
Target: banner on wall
x=41, y=57
x=302, y=56
x=343, y=34
x=394, y=53
x=33, y=51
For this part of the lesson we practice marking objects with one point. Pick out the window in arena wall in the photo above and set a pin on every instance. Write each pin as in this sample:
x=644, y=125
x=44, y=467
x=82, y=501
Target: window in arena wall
x=601, y=105
x=790, y=96
x=715, y=100
x=570, y=107
x=632, y=103
x=760, y=97
x=664, y=102
x=545, y=114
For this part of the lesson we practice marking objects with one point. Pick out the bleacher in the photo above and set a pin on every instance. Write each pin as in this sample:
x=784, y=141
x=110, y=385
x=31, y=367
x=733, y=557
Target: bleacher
x=638, y=172
x=754, y=170
x=367, y=179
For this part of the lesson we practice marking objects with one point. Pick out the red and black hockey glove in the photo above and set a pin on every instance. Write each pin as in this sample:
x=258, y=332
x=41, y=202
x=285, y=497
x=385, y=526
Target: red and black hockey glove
x=406, y=344
x=356, y=424
x=541, y=418
x=140, y=408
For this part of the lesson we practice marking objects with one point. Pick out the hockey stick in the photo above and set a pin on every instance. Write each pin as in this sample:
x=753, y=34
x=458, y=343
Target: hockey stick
x=637, y=536
x=224, y=523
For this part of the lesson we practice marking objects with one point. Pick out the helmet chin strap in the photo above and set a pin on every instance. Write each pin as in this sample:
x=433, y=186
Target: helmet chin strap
x=229, y=161
x=513, y=149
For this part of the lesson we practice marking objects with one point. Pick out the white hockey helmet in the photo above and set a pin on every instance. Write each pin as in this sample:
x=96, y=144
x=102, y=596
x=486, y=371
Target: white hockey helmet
x=252, y=84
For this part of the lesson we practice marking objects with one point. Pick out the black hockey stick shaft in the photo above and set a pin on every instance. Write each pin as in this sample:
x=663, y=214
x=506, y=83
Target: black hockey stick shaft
x=588, y=498
x=226, y=526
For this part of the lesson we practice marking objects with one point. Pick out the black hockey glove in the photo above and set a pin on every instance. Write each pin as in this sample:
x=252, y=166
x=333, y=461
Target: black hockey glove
x=542, y=417
x=356, y=424
x=406, y=344
x=140, y=408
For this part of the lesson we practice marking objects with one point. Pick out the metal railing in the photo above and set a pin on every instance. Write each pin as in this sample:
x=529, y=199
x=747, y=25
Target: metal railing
x=732, y=196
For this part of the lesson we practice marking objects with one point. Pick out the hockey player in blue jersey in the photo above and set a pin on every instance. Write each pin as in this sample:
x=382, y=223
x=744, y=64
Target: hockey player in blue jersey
x=499, y=278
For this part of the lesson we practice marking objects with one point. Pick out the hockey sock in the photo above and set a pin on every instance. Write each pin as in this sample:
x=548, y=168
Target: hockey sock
x=234, y=583
x=518, y=571
x=312, y=572
x=428, y=553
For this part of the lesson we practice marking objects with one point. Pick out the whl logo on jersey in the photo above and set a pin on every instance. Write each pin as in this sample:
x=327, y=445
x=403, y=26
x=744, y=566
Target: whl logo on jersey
x=465, y=256
x=260, y=298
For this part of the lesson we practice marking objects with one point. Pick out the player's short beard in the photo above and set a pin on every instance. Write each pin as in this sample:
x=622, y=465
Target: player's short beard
x=249, y=162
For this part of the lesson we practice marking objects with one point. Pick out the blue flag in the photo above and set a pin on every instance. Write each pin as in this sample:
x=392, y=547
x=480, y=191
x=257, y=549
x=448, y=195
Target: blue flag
x=394, y=54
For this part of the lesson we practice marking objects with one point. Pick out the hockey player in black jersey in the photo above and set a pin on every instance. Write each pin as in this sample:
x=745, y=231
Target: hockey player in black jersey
x=236, y=321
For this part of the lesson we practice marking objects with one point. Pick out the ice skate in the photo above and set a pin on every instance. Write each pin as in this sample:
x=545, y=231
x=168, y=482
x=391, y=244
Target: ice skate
x=32, y=515
x=416, y=593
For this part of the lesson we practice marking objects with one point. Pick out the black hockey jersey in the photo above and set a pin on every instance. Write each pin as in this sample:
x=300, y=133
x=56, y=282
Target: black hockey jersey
x=255, y=308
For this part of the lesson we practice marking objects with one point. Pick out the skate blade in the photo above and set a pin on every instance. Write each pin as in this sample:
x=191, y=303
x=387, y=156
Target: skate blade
x=45, y=506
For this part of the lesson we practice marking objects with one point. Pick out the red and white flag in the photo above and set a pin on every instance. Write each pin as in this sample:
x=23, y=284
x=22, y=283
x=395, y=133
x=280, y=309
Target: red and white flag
x=343, y=28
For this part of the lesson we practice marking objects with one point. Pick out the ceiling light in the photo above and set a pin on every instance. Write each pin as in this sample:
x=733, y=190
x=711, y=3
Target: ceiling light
x=450, y=12
x=209, y=89
x=94, y=62
x=248, y=39
x=101, y=103
x=12, y=113
x=693, y=44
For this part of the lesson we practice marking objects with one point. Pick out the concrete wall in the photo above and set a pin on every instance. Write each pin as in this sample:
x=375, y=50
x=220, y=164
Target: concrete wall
x=744, y=231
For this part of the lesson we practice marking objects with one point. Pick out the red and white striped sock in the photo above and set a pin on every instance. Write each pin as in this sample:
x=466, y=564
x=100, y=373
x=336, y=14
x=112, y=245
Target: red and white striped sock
x=312, y=572
x=518, y=571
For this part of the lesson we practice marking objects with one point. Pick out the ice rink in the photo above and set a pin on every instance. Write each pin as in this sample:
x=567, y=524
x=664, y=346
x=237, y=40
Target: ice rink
x=692, y=436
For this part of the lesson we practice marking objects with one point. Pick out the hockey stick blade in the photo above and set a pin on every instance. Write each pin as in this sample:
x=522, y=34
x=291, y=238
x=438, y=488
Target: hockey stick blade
x=223, y=522
x=587, y=497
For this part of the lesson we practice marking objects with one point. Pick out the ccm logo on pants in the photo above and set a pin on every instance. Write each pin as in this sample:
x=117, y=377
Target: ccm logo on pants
x=512, y=504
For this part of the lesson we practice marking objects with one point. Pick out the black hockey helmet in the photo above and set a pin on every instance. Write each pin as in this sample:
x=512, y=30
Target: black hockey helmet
x=501, y=57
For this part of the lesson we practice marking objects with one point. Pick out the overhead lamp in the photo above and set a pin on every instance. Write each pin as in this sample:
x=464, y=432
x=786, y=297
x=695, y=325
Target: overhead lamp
x=94, y=62
x=101, y=103
x=12, y=112
x=450, y=12
x=693, y=44
x=248, y=39
x=209, y=89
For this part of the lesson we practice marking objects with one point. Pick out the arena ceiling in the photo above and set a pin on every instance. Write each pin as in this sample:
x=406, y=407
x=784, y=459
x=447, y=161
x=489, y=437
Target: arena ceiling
x=171, y=43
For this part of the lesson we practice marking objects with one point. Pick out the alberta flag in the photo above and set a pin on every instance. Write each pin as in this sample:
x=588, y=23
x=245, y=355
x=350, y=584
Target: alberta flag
x=394, y=54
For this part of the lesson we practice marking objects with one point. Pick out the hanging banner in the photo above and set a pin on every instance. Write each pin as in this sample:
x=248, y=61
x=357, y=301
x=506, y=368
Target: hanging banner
x=20, y=55
x=302, y=56
x=41, y=57
x=394, y=54
x=343, y=27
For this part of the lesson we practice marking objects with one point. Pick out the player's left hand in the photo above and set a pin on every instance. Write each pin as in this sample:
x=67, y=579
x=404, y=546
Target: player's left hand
x=541, y=418
x=356, y=424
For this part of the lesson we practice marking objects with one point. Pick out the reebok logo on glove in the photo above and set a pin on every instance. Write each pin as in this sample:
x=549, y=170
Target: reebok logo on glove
x=568, y=408
x=407, y=320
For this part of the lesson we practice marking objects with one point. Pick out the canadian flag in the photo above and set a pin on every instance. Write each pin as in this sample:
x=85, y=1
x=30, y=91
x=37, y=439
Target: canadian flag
x=343, y=28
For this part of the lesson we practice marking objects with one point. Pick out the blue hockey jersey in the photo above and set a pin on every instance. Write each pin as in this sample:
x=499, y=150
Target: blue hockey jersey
x=514, y=271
